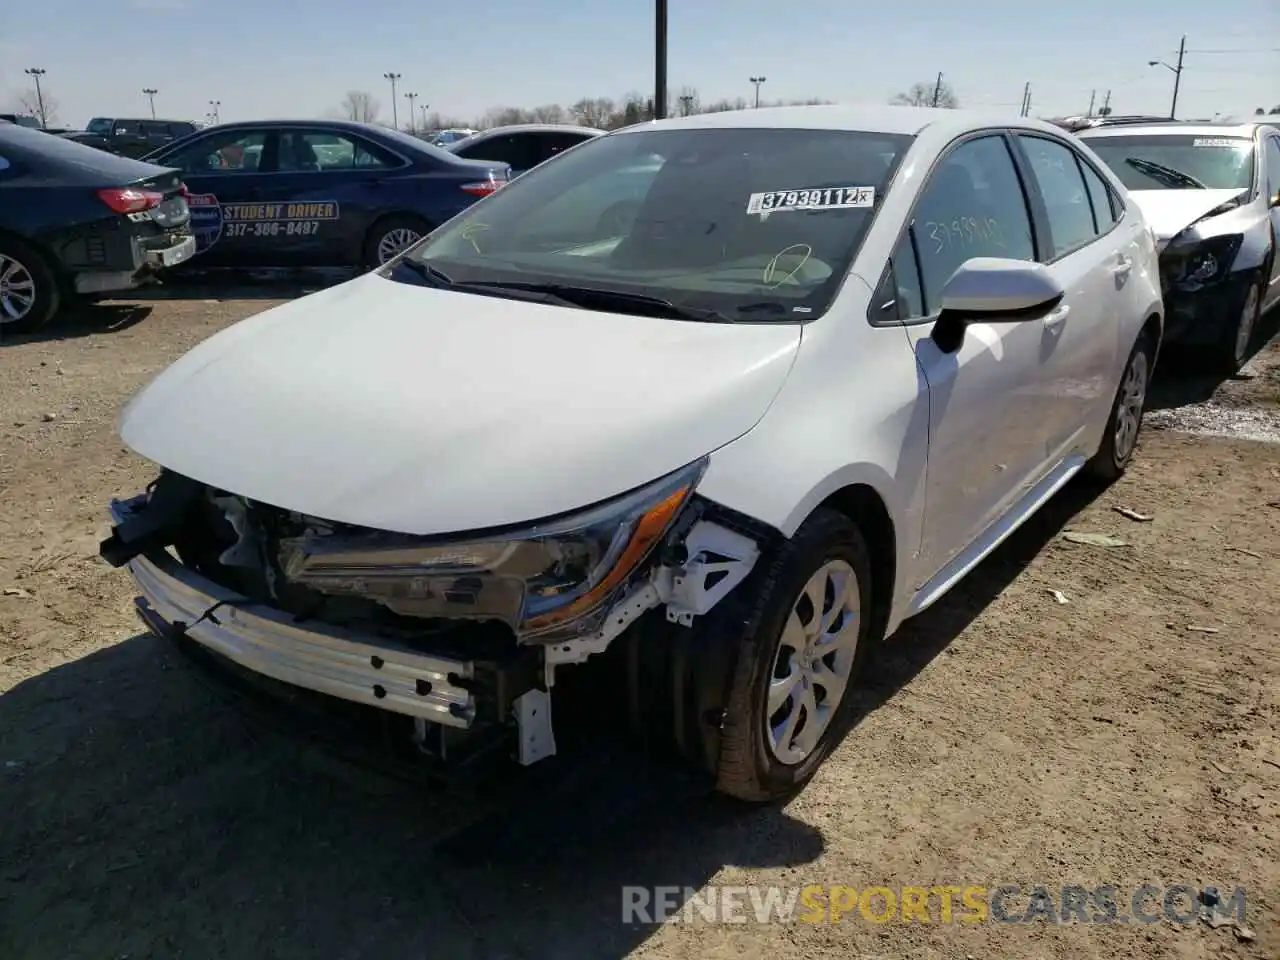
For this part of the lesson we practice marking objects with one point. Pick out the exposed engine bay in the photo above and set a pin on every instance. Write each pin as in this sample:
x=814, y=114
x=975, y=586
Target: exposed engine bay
x=463, y=637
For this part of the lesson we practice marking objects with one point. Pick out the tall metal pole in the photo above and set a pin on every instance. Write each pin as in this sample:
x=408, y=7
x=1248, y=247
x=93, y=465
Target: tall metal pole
x=1093, y=94
x=411, y=97
x=1177, y=78
x=36, y=73
x=660, y=60
x=1106, y=104
x=423, y=108
x=151, y=95
x=214, y=105
x=937, y=90
x=395, y=116
x=757, y=81
x=686, y=104
x=1026, y=100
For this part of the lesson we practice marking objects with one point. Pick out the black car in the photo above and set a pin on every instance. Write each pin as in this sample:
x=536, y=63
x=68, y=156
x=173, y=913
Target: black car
x=135, y=137
x=89, y=140
x=75, y=220
x=298, y=193
x=524, y=145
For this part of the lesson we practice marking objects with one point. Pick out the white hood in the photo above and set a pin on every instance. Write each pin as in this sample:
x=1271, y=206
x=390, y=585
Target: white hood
x=1169, y=212
x=427, y=411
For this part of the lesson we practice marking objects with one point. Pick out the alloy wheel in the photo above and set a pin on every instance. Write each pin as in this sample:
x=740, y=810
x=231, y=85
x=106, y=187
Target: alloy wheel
x=395, y=241
x=812, y=667
x=1133, y=397
x=17, y=290
x=1244, y=329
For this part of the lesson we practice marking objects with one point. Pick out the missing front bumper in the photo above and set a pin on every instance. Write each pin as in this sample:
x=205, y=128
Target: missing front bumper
x=316, y=656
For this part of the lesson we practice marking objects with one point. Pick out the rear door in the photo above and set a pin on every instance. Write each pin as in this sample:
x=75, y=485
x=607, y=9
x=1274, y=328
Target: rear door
x=1270, y=154
x=226, y=174
x=1091, y=255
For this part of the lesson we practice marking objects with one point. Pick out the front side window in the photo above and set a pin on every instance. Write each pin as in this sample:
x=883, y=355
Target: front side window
x=230, y=152
x=325, y=151
x=1178, y=161
x=1105, y=207
x=972, y=206
x=1273, y=167
x=1062, y=187
x=753, y=224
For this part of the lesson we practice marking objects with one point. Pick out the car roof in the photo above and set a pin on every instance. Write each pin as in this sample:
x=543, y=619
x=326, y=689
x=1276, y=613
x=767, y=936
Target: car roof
x=541, y=128
x=1180, y=129
x=864, y=119
x=69, y=161
x=352, y=126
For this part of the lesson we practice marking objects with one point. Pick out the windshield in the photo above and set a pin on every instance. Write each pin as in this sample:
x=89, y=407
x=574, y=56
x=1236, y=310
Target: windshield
x=100, y=126
x=1218, y=163
x=750, y=224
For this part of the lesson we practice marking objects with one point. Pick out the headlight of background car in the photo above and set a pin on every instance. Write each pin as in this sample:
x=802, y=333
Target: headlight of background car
x=542, y=580
x=1208, y=261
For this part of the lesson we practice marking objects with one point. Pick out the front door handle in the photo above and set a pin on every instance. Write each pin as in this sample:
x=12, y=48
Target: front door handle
x=1055, y=317
x=1122, y=268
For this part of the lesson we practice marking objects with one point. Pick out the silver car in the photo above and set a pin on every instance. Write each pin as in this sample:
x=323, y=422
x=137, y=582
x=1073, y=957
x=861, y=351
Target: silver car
x=1211, y=193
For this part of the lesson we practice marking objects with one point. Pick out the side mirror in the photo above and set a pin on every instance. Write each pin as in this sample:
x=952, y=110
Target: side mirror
x=1275, y=201
x=993, y=290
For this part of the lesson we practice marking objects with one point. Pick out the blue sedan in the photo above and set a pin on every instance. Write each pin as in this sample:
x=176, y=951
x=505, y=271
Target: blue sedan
x=302, y=193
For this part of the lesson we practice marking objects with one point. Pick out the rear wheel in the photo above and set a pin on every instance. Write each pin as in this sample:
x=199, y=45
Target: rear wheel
x=29, y=295
x=1125, y=423
x=390, y=236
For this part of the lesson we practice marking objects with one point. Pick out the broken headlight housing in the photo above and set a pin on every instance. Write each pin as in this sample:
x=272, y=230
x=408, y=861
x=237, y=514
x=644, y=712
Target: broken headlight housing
x=542, y=580
x=1208, y=261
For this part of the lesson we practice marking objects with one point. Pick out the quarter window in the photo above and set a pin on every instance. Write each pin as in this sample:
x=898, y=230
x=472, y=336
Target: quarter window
x=1104, y=210
x=973, y=206
x=1062, y=187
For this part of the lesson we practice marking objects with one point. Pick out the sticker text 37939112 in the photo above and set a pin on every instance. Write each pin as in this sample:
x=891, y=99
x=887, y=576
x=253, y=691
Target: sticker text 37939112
x=276, y=219
x=812, y=198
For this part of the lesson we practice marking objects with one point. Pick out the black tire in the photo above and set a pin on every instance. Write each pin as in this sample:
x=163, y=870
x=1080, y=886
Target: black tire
x=48, y=295
x=1239, y=335
x=387, y=225
x=748, y=768
x=1112, y=458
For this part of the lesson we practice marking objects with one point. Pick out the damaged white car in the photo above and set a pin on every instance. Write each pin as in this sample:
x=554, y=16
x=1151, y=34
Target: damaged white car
x=734, y=430
x=1212, y=194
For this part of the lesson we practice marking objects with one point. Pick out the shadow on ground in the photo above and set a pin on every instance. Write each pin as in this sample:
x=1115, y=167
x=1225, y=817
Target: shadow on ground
x=1181, y=379
x=85, y=320
x=145, y=819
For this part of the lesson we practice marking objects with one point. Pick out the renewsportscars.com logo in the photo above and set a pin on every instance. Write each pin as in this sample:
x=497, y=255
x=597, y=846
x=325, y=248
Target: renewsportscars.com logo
x=972, y=904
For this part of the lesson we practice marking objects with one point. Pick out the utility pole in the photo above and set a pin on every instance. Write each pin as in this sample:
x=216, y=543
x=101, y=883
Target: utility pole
x=213, y=110
x=1092, y=96
x=686, y=105
x=1106, y=106
x=1177, y=75
x=395, y=117
x=151, y=95
x=36, y=73
x=411, y=97
x=937, y=90
x=660, y=60
x=1025, y=109
x=757, y=81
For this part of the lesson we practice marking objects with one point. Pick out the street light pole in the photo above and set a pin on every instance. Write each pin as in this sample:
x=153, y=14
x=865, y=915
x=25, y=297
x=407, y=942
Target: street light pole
x=395, y=117
x=36, y=73
x=757, y=81
x=423, y=107
x=213, y=110
x=660, y=60
x=1177, y=75
x=411, y=97
x=937, y=92
x=151, y=95
x=686, y=105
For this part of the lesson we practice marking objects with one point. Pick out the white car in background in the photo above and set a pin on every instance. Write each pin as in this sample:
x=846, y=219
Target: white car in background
x=1211, y=192
x=523, y=146
x=831, y=361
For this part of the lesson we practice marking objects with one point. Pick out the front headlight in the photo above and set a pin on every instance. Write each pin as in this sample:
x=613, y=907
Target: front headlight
x=1206, y=262
x=539, y=579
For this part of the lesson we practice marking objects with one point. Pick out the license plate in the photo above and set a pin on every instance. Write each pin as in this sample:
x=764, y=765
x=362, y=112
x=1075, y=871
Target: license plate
x=182, y=251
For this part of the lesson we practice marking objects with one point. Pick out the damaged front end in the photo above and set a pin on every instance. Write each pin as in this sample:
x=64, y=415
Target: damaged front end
x=459, y=637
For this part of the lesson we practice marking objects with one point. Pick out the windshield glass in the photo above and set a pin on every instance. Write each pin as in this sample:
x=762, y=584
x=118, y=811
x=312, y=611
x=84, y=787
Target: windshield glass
x=100, y=126
x=753, y=224
x=1219, y=163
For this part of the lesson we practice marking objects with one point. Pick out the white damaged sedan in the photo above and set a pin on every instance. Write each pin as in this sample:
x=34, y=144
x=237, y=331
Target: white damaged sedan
x=728, y=397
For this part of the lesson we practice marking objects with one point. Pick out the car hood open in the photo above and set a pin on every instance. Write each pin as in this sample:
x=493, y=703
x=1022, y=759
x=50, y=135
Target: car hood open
x=1169, y=212
x=429, y=411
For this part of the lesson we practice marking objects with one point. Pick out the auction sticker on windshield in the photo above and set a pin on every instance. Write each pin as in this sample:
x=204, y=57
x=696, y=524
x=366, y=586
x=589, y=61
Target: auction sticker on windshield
x=813, y=198
x=1218, y=142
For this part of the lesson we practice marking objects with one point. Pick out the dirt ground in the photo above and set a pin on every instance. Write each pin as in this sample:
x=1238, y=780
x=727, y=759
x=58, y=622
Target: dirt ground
x=1008, y=738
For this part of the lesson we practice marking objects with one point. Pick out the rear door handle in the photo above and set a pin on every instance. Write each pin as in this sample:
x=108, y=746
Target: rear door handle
x=1055, y=317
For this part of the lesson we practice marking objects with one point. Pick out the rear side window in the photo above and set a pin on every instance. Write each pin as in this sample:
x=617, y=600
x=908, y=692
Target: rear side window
x=1063, y=190
x=972, y=206
x=521, y=150
x=1273, y=167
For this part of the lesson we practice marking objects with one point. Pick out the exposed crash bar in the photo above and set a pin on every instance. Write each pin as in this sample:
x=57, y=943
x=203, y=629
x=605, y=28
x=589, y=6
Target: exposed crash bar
x=318, y=657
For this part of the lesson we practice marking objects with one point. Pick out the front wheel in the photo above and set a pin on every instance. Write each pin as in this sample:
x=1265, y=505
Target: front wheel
x=1125, y=423
x=1237, y=339
x=790, y=701
x=391, y=236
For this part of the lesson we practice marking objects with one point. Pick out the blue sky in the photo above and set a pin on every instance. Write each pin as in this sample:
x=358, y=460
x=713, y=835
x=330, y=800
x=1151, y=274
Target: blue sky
x=272, y=58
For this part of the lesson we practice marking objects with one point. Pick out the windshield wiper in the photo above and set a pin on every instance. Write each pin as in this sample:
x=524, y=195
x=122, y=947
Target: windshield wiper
x=1166, y=175
x=595, y=298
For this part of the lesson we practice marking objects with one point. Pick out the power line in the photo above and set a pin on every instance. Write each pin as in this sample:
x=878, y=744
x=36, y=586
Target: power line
x=1234, y=50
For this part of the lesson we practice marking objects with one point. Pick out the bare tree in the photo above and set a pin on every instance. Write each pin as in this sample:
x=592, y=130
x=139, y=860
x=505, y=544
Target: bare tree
x=360, y=105
x=724, y=106
x=29, y=103
x=550, y=113
x=922, y=95
x=593, y=112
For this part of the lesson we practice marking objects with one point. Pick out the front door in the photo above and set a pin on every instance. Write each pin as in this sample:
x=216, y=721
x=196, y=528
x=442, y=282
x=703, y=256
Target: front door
x=985, y=435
